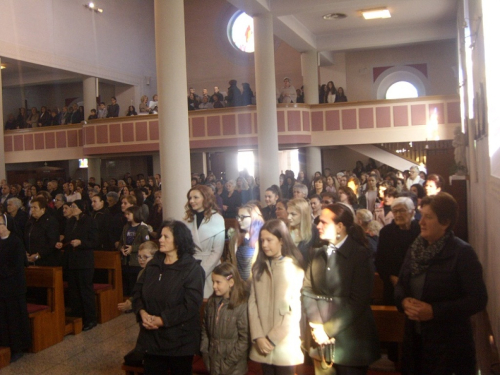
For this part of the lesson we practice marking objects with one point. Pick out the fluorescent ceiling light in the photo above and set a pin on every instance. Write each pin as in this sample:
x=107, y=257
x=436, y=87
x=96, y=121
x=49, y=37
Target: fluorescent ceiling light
x=372, y=14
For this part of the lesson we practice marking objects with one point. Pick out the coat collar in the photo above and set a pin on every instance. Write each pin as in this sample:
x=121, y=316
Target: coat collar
x=207, y=229
x=345, y=249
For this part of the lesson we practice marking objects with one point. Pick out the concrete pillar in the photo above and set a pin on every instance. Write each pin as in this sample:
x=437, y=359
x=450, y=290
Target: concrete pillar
x=3, y=173
x=90, y=87
x=309, y=62
x=94, y=170
x=170, y=43
x=231, y=162
x=265, y=81
x=313, y=161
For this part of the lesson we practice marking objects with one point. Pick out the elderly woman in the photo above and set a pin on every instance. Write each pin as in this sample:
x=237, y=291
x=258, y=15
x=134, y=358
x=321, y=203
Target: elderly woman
x=288, y=94
x=14, y=320
x=439, y=288
x=434, y=184
x=19, y=216
x=394, y=241
x=41, y=235
x=208, y=231
x=167, y=299
x=336, y=297
x=231, y=200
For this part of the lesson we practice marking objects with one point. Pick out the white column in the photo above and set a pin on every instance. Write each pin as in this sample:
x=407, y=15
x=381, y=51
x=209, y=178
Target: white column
x=156, y=164
x=89, y=96
x=309, y=62
x=173, y=116
x=231, y=163
x=313, y=161
x=265, y=82
x=94, y=170
x=3, y=173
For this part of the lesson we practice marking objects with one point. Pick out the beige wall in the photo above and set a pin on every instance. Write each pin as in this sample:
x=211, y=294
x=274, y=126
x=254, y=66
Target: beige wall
x=440, y=57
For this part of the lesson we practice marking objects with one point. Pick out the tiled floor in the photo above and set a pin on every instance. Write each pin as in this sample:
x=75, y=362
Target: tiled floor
x=99, y=351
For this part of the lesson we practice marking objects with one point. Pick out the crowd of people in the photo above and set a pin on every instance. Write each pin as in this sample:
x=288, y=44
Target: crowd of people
x=295, y=282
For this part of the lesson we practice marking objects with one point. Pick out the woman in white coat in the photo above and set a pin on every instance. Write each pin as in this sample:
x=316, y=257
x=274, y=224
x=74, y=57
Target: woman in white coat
x=274, y=308
x=207, y=228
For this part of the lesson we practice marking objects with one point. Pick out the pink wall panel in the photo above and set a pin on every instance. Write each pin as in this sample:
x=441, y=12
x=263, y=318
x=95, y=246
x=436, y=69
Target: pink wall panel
x=115, y=133
x=306, y=121
x=128, y=132
x=50, y=140
x=418, y=115
x=453, y=110
x=333, y=120
x=90, y=135
x=8, y=143
x=294, y=124
x=317, y=121
x=154, y=131
x=213, y=126
x=229, y=125
x=437, y=108
x=72, y=138
x=383, y=117
x=198, y=127
x=141, y=131
x=244, y=123
x=29, y=144
x=39, y=141
x=400, y=113
x=102, y=134
x=366, y=120
x=348, y=119
x=61, y=139
x=18, y=142
x=79, y=133
x=281, y=121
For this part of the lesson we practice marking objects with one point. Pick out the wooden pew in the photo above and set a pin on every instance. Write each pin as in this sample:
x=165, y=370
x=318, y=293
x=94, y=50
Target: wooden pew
x=4, y=357
x=390, y=326
x=47, y=322
x=110, y=294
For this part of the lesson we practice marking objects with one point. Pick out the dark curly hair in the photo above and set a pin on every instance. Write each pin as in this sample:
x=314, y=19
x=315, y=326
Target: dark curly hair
x=183, y=239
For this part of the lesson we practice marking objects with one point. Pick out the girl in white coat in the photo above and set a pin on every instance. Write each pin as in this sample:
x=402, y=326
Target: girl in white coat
x=274, y=307
x=207, y=228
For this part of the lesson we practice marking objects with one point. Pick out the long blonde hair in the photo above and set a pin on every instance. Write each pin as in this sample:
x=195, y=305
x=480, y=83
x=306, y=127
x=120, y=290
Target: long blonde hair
x=304, y=210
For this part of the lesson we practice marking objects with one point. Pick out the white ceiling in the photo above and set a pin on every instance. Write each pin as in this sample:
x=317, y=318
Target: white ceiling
x=300, y=22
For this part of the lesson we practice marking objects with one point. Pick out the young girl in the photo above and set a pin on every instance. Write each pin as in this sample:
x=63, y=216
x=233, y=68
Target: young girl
x=146, y=252
x=224, y=337
x=274, y=307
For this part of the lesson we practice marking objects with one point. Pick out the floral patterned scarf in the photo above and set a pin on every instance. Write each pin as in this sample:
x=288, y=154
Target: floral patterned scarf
x=422, y=253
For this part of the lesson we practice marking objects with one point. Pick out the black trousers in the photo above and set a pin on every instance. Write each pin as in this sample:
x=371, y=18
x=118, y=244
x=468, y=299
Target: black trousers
x=81, y=297
x=129, y=277
x=160, y=365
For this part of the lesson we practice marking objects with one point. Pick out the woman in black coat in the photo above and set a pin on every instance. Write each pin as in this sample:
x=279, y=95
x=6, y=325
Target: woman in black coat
x=14, y=321
x=440, y=287
x=336, y=296
x=80, y=241
x=167, y=299
x=41, y=235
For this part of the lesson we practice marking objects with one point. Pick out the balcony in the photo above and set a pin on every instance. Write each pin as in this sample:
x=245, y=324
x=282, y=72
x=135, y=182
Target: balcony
x=299, y=125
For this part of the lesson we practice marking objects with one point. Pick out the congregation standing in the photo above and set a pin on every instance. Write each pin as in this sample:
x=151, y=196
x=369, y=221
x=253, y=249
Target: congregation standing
x=296, y=279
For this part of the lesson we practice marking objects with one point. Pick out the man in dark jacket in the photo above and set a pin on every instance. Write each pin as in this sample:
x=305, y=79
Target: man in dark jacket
x=113, y=108
x=102, y=218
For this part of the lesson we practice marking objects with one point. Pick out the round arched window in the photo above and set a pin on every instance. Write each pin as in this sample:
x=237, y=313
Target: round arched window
x=400, y=90
x=240, y=32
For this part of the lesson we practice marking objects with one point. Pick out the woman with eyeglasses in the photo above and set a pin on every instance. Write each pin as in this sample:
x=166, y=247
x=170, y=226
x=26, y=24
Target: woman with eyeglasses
x=208, y=230
x=80, y=240
x=243, y=245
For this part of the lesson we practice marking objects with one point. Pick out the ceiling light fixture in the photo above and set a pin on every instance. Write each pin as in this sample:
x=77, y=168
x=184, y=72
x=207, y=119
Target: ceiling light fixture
x=334, y=16
x=371, y=14
x=91, y=6
x=3, y=66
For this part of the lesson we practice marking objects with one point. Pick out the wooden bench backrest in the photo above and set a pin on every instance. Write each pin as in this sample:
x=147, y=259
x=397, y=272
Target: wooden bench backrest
x=390, y=323
x=49, y=278
x=111, y=261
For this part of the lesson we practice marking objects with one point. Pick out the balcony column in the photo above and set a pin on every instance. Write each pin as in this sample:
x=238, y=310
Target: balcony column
x=89, y=96
x=3, y=173
x=94, y=170
x=265, y=83
x=231, y=164
x=170, y=43
x=313, y=161
x=309, y=62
